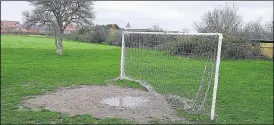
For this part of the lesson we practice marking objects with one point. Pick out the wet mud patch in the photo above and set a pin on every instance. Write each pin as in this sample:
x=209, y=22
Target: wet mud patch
x=107, y=101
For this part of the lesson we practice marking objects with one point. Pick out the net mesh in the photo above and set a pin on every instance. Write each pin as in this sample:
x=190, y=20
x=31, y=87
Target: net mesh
x=181, y=67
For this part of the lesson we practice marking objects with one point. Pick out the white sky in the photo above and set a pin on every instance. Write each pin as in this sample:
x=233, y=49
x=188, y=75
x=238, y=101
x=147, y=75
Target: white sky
x=170, y=15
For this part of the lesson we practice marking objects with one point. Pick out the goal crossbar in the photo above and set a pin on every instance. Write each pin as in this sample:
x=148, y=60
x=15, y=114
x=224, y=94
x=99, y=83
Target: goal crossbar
x=168, y=33
x=216, y=77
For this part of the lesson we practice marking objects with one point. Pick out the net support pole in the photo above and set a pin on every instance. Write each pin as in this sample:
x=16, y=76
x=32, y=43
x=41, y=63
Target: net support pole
x=212, y=113
x=122, y=68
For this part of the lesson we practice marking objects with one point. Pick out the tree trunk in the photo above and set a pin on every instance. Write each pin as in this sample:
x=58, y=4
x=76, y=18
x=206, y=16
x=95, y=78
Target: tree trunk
x=59, y=45
x=55, y=42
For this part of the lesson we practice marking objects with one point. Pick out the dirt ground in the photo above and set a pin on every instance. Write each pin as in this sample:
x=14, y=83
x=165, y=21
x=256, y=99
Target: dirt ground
x=88, y=100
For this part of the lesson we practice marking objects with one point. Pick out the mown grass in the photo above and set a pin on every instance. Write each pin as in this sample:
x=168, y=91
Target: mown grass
x=30, y=67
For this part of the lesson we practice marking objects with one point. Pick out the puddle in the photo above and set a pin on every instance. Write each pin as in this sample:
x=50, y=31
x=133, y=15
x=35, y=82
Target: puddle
x=104, y=102
x=127, y=101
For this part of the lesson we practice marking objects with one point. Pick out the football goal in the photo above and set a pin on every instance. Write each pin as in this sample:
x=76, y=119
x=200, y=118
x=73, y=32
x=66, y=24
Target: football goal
x=182, y=66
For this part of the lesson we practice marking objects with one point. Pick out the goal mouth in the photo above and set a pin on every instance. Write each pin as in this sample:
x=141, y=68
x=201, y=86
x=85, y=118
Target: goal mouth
x=185, y=65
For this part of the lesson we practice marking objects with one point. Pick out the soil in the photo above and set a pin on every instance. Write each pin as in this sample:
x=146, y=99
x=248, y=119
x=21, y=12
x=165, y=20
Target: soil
x=88, y=100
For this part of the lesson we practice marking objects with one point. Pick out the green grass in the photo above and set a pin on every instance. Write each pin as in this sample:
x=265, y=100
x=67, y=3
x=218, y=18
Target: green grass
x=31, y=67
x=176, y=75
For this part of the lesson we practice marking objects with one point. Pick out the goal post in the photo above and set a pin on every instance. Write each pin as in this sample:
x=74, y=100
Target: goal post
x=122, y=69
x=150, y=41
x=216, y=79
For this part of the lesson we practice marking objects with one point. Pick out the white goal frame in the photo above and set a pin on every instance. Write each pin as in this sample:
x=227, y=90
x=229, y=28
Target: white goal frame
x=216, y=77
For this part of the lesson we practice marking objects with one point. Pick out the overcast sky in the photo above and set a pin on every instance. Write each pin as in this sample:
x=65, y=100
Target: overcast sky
x=170, y=15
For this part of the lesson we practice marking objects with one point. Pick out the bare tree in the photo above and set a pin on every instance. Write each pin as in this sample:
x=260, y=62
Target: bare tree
x=224, y=20
x=58, y=15
x=254, y=30
x=269, y=29
x=156, y=28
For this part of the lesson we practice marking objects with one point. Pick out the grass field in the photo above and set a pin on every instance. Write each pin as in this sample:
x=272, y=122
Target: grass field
x=31, y=67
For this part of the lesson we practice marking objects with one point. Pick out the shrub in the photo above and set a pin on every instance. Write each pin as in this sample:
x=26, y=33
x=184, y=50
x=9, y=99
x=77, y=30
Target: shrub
x=239, y=48
x=116, y=39
x=96, y=35
x=232, y=47
x=191, y=46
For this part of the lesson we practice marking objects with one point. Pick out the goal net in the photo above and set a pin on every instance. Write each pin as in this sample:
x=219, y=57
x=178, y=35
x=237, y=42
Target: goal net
x=183, y=67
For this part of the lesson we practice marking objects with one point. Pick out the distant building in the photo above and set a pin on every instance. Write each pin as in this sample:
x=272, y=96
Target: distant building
x=14, y=26
x=128, y=26
x=34, y=29
x=47, y=29
x=139, y=30
x=173, y=31
x=266, y=47
x=70, y=28
x=10, y=26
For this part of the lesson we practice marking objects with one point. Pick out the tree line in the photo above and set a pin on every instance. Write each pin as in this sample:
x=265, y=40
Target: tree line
x=226, y=20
